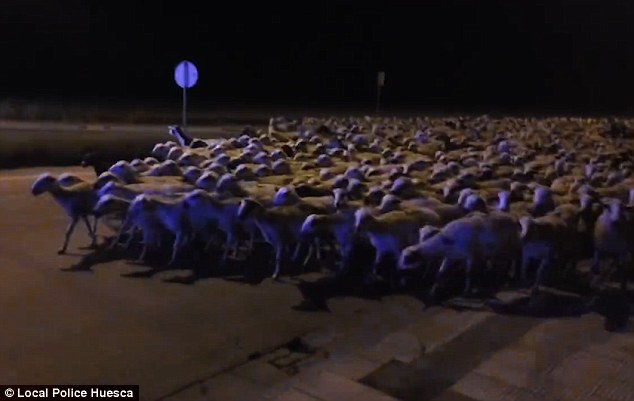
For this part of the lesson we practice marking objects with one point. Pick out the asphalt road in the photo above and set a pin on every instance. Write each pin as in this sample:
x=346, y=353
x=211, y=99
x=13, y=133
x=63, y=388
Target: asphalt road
x=102, y=327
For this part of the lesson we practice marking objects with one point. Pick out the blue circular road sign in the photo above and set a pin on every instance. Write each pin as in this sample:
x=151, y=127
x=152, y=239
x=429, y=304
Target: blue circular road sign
x=186, y=74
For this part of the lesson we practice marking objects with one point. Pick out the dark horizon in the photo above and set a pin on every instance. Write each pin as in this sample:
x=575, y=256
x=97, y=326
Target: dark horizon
x=559, y=56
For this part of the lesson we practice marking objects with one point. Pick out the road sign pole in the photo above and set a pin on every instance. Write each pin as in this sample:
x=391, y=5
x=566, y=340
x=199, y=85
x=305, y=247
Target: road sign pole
x=380, y=81
x=184, y=108
x=186, y=78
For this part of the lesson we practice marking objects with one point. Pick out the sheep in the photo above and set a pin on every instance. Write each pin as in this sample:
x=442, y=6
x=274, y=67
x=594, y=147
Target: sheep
x=155, y=215
x=286, y=196
x=227, y=185
x=391, y=203
x=612, y=237
x=130, y=191
x=97, y=160
x=206, y=211
x=280, y=226
x=471, y=238
x=77, y=200
x=391, y=232
x=177, y=132
x=340, y=225
x=543, y=202
x=114, y=208
x=543, y=239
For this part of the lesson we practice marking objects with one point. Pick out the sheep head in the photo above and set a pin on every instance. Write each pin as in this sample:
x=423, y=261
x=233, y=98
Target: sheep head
x=389, y=203
x=614, y=209
x=285, y=196
x=191, y=174
x=248, y=208
x=363, y=218
x=410, y=258
x=43, y=183
x=108, y=204
x=124, y=171
x=503, y=201
x=312, y=224
x=207, y=181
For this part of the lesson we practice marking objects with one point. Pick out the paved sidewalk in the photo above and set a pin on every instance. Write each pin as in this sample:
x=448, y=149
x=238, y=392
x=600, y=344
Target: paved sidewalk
x=440, y=354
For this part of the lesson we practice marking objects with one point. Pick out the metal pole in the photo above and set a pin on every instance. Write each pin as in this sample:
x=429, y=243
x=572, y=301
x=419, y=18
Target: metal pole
x=186, y=84
x=184, y=108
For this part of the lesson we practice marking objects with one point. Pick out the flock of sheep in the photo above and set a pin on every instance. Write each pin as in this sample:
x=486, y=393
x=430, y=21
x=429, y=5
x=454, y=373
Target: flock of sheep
x=517, y=196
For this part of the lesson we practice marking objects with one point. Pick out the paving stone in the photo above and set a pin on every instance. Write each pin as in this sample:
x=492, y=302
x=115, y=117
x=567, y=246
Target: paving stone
x=520, y=367
x=481, y=387
x=443, y=327
x=320, y=338
x=402, y=346
x=260, y=372
x=231, y=387
x=192, y=393
x=350, y=366
x=615, y=389
x=330, y=387
x=294, y=394
x=582, y=373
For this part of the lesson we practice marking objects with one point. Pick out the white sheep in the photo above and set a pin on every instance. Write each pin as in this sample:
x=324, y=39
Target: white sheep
x=156, y=215
x=280, y=226
x=543, y=239
x=77, y=200
x=613, y=236
x=391, y=232
x=206, y=212
x=477, y=237
x=286, y=196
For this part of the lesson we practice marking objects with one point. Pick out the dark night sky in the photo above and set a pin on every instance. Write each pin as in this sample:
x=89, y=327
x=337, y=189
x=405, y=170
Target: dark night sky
x=463, y=55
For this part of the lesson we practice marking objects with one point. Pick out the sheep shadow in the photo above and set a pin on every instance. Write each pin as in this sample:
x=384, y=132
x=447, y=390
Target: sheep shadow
x=100, y=254
x=350, y=283
x=545, y=303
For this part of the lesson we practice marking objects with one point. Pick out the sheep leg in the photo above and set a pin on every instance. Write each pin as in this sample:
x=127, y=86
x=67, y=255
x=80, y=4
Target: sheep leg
x=317, y=246
x=540, y=274
x=116, y=240
x=377, y=262
x=309, y=255
x=148, y=239
x=251, y=241
x=344, y=251
x=595, y=269
x=623, y=271
x=95, y=225
x=225, y=254
x=234, y=253
x=439, y=274
x=93, y=236
x=467, y=280
x=298, y=247
x=69, y=231
x=132, y=231
x=279, y=250
x=141, y=257
x=178, y=244
x=525, y=262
